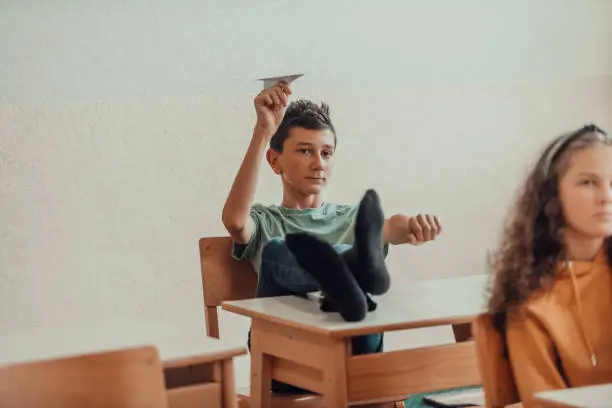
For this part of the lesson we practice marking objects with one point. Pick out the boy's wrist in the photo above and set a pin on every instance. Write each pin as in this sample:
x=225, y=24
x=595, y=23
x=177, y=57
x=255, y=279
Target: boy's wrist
x=259, y=142
x=262, y=131
x=386, y=233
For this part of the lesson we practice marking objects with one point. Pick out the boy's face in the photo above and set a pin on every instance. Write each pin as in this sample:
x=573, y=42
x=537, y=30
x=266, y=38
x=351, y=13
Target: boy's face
x=306, y=161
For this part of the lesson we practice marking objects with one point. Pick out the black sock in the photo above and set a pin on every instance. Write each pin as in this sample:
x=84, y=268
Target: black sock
x=366, y=259
x=327, y=305
x=338, y=285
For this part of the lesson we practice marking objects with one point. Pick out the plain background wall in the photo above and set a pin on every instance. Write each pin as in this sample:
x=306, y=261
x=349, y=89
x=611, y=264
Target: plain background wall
x=122, y=125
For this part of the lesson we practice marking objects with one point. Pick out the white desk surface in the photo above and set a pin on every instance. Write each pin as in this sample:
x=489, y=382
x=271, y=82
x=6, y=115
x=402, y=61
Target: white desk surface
x=174, y=345
x=417, y=304
x=595, y=396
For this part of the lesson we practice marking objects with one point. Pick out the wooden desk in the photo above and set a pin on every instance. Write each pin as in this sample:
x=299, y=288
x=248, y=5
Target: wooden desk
x=294, y=342
x=198, y=369
x=596, y=396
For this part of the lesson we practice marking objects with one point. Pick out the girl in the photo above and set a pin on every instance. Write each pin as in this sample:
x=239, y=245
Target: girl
x=551, y=298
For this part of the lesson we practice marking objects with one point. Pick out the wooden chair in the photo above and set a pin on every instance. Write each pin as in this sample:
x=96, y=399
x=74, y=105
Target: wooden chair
x=224, y=279
x=129, y=378
x=497, y=378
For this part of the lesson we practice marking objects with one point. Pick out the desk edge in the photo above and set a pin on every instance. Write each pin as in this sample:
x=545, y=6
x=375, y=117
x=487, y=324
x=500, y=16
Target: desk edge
x=352, y=331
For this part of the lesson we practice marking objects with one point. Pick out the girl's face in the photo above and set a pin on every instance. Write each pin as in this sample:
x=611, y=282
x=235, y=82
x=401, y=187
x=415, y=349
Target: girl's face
x=585, y=192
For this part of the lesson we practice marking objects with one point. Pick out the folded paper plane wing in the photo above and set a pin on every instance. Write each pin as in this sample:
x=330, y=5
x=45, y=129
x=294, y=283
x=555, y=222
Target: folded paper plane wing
x=268, y=82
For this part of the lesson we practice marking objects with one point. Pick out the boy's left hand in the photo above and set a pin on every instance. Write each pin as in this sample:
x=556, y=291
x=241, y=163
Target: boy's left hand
x=403, y=229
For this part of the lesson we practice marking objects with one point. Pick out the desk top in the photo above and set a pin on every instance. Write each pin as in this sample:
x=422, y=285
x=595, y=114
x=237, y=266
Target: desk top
x=595, y=396
x=176, y=347
x=414, y=305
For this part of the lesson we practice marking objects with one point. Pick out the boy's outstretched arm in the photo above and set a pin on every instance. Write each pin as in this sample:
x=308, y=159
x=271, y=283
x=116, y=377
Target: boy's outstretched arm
x=403, y=229
x=270, y=105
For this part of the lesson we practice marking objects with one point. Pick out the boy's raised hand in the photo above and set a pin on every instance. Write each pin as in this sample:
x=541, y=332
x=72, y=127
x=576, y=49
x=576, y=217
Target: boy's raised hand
x=270, y=105
x=403, y=229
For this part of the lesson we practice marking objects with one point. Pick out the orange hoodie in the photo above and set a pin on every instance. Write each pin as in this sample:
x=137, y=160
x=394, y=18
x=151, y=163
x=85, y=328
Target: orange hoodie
x=564, y=337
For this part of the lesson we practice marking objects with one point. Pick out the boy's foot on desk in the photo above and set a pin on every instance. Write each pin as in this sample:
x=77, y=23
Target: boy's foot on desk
x=338, y=285
x=366, y=259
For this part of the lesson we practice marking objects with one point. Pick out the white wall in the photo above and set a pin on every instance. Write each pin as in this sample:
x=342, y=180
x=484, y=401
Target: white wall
x=122, y=126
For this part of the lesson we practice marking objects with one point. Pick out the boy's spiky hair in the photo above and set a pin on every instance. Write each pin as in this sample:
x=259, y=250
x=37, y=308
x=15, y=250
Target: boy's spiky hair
x=305, y=114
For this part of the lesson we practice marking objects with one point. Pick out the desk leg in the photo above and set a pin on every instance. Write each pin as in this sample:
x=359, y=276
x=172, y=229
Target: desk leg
x=335, y=376
x=261, y=371
x=223, y=375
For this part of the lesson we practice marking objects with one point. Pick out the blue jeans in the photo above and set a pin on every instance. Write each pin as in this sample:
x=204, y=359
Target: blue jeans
x=280, y=275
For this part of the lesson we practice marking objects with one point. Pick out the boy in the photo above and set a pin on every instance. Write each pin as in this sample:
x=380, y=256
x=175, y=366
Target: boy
x=302, y=142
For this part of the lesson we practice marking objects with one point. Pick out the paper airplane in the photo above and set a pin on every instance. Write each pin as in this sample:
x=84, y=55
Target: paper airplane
x=267, y=82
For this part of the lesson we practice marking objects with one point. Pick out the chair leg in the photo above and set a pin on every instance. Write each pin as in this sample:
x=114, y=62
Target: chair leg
x=212, y=321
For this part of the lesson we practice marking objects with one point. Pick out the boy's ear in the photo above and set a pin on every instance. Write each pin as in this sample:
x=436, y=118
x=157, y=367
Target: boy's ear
x=273, y=159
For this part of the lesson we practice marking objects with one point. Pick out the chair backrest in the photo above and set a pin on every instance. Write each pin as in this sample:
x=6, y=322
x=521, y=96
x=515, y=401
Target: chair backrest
x=223, y=278
x=495, y=370
x=128, y=378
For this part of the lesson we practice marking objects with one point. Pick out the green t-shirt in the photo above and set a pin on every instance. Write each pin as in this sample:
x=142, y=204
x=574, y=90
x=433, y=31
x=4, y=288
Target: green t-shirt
x=333, y=223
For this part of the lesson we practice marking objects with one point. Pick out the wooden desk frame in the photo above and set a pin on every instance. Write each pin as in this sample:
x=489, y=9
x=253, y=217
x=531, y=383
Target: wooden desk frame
x=309, y=360
x=324, y=364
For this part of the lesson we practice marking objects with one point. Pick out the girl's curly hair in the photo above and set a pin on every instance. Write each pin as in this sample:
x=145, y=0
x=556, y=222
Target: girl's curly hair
x=531, y=243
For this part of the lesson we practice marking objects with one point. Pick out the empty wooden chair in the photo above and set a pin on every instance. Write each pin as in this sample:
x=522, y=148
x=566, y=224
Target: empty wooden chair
x=129, y=378
x=497, y=378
